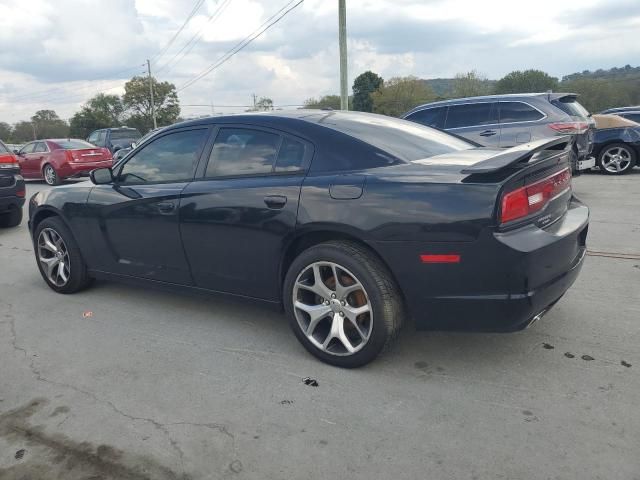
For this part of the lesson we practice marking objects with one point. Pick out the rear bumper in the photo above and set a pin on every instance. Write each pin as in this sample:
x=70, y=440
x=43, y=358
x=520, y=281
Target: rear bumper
x=504, y=281
x=77, y=169
x=9, y=188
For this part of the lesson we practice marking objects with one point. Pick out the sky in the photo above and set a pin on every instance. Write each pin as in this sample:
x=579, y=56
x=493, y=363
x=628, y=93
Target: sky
x=57, y=54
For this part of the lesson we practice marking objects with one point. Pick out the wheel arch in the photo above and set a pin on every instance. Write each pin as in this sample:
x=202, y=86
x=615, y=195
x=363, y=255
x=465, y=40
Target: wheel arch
x=44, y=213
x=309, y=238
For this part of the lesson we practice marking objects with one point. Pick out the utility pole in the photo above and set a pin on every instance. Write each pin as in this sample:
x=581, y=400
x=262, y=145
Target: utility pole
x=254, y=101
x=342, y=38
x=153, y=107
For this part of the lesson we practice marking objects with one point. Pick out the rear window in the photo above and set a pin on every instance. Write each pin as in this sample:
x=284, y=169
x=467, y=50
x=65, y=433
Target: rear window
x=73, y=144
x=3, y=148
x=571, y=106
x=512, y=112
x=402, y=139
x=125, y=134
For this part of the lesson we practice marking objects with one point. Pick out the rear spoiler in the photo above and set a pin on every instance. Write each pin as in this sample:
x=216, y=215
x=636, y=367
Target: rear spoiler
x=523, y=152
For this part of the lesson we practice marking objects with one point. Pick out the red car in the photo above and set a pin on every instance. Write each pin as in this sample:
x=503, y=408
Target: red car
x=57, y=159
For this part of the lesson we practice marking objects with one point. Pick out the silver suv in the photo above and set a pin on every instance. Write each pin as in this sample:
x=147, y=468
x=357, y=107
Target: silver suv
x=508, y=120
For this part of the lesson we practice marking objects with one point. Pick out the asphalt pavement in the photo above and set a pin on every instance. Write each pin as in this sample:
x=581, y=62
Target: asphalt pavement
x=122, y=382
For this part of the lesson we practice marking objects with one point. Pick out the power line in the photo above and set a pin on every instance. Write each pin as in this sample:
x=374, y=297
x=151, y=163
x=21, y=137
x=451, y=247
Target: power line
x=195, y=39
x=196, y=7
x=242, y=44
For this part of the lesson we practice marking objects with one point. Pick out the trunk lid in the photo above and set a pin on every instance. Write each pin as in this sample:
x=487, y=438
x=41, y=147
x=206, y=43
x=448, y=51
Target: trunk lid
x=89, y=155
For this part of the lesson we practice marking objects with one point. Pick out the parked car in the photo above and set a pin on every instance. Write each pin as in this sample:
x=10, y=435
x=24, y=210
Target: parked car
x=616, y=144
x=509, y=120
x=114, y=138
x=123, y=152
x=619, y=110
x=56, y=159
x=633, y=115
x=12, y=189
x=347, y=219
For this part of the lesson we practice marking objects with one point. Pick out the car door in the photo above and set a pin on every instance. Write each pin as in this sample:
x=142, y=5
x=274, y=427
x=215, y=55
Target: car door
x=476, y=121
x=135, y=226
x=41, y=154
x=28, y=161
x=237, y=217
x=517, y=122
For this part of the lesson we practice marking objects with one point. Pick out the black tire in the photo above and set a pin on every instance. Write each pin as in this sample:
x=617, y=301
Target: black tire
x=12, y=218
x=53, y=178
x=79, y=278
x=630, y=153
x=380, y=288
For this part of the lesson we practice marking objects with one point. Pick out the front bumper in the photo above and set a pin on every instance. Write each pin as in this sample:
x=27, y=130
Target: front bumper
x=78, y=169
x=503, y=282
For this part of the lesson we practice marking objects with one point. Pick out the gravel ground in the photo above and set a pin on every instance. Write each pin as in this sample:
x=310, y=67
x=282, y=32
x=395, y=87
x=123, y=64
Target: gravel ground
x=122, y=382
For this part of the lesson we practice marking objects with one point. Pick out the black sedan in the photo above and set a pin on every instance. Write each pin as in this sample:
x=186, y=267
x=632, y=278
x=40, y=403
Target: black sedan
x=616, y=144
x=352, y=222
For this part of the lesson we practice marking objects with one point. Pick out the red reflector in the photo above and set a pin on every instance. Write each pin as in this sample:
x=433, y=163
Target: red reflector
x=451, y=258
x=21, y=193
x=534, y=197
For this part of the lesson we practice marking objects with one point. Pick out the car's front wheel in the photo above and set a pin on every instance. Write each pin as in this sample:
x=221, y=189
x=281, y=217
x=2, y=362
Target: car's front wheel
x=58, y=256
x=343, y=305
x=50, y=175
x=616, y=159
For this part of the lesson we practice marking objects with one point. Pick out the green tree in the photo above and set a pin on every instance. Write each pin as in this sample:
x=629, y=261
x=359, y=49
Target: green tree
x=23, y=132
x=263, y=105
x=326, y=101
x=137, y=102
x=527, y=81
x=400, y=94
x=5, y=131
x=101, y=111
x=470, y=84
x=47, y=124
x=363, y=86
x=597, y=94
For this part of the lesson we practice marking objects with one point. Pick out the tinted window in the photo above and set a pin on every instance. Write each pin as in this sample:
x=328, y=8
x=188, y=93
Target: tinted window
x=170, y=158
x=73, y=144
x=518, y=112
x=634, y=117
x=40, y=147
x=401, y=139
x=570, y=106
x=431, y=117
x=242, y=151
x=125, y=134
x=290, y=156
x=28, y=148
x=469, y=115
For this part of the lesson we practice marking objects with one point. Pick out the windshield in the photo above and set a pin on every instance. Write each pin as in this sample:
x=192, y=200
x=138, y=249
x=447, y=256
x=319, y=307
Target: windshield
x=125, y=134
x=405, y=140
x=571, y=106
x=73, y=144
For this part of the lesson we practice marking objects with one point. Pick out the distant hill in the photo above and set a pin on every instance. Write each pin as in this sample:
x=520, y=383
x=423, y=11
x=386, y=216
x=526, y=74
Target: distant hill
x=616, y=73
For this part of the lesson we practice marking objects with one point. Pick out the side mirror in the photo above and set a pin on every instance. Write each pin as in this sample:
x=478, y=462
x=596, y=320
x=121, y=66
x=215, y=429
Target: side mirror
x=16, y=151
x=101, y=176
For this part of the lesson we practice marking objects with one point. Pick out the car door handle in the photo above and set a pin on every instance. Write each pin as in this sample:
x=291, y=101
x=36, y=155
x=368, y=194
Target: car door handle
x=166, y=207
x=488, y=133
x=275, y=201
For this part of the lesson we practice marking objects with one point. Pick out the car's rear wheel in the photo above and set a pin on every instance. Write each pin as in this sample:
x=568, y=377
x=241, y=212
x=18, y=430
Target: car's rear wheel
x=343, y=305
x=50, y=175
x=12, y=218
x=616, y=159
x=58, y=256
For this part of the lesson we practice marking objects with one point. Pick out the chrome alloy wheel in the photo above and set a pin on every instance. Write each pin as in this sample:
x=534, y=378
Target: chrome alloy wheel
x=616, y=159
x=53, y=257
x=49, y=175
x=332, y=308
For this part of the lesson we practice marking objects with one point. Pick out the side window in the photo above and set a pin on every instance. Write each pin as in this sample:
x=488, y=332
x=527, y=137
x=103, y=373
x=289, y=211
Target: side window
x=100, y=139
x=470, y=114
x=93, y=138
x=28, y=148
x=242, y=151
x=511, y=112
x=170, y=158
x=431, y=117
x=634, y=117
x=290, y=156
x=40, y=147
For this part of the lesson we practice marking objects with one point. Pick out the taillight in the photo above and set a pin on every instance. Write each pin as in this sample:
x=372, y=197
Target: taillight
x=8, y=161
x=570, y=128
x=532, y=198
x=21, y=193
